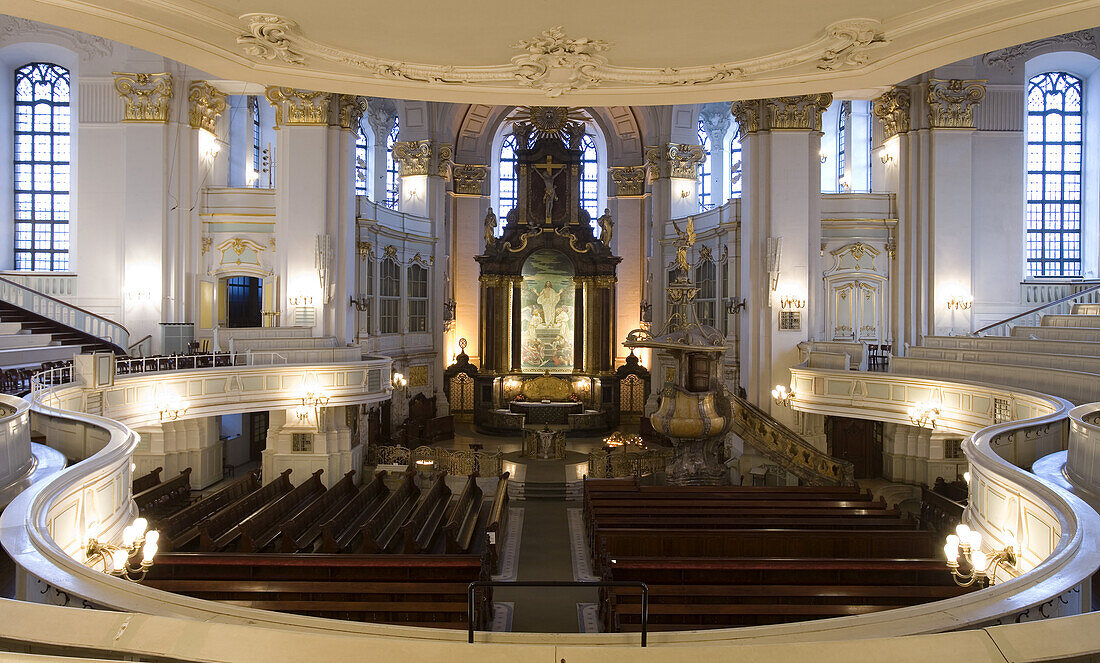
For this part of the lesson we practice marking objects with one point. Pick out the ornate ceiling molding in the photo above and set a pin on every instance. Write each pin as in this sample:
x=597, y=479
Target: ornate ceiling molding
x=951, y=103
x=556, y=63
x=1007, y=58
x=147, y=96
x=88, y=46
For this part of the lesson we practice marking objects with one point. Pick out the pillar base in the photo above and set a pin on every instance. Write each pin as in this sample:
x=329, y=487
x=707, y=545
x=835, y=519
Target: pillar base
x=205, y=464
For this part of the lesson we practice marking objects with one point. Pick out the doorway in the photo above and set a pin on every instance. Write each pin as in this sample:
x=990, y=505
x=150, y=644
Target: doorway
x=243, y=301
x=858, y=441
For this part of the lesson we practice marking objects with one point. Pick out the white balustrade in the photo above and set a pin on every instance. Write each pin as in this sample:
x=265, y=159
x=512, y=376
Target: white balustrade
x=63, y=313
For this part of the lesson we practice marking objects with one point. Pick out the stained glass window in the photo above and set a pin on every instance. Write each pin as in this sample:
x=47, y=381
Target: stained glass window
x=702, y=183
x=393, y=178
x=254, y=114
x=590, y=178
x=418, y=298
x=389, y=296
x=841, y=145
x=735, y=163
x=1054, y=147
x=362, y=185
x=509, y=179
x=42, y=167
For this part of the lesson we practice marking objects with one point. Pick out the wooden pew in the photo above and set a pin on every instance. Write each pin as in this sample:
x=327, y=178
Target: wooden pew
x=147, y=481
x=299, y=532
x=182, y=527
x=382, y=531
x=426, y=519
x=340, y=532
x=166, y=496
x=462, y=525
x=260, y=530
x=734, y=522
x=220, y=529
x=497, y=525
x=414, y=590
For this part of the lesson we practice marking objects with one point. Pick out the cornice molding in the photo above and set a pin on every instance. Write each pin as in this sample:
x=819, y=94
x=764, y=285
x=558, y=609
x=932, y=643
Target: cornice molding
x=88, y=46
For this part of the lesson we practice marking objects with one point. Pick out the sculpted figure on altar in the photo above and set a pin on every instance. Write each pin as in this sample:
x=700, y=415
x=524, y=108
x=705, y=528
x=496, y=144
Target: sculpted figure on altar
x=548, y=299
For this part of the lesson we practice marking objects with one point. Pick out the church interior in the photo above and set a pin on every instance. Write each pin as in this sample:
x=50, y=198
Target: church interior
x=573, y=332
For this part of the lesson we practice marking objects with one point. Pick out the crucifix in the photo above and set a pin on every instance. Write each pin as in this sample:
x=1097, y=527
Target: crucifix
x=549, y=172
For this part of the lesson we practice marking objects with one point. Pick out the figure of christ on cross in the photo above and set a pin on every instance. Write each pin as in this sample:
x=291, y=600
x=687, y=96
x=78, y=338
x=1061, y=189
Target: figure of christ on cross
x=549, y=172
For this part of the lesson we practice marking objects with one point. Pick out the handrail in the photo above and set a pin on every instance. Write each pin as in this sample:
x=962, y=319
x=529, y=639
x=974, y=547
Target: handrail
x=1060, y=300
x=134, y=345
x=125, y=337
x=554, y=583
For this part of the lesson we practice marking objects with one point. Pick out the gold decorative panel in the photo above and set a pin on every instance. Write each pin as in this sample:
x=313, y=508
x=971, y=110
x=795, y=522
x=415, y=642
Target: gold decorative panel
x=418, y=375
x=469, y=180
x=630, y=180
x=892, y=109
x=547, y=387
x=147, y=96
x=413, y=157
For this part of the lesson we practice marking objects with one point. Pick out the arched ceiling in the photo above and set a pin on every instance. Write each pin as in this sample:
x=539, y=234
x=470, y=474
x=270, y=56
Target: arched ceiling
x=576, y=52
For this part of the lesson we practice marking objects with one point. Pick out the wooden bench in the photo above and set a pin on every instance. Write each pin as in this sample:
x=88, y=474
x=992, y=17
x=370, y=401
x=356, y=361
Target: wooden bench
x=426, y=519
x=415, y=590
x=462, y=525
x=182, y=527
x=147, y=481
x=166, y=496
x=299, y=532
x=382, y=531
x=497, y=521
x=222, y=528
x=260, y=530
x=340, y=532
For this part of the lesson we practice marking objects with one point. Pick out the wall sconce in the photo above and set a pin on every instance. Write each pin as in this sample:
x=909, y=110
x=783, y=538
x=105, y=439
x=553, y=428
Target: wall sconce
x=208, y=145
x=170, y=408
x=399, y=381
x=959, y=302
x=361, y=303
x=824, y=157
x=886, y=157
x=735, y=304
x=314, y=399
x=301, y=414
x=251, y=177
x=684, y=193
x=301, y=300
x=792, y=303
x=782, y=396
x=983, y=566
x=138, y=295
x=115, y=559
x=924, y=415
x=845, y=183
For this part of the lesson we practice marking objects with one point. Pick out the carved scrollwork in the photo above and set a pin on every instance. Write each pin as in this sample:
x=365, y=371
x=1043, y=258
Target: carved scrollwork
x=565, y=232
x=269, y=38
x=298, y=107
x=147, y=96
x=556, y=64
x=413, y=156
x=892, y=109
x=630, y=180
x=801, y=112
x=351, y=110
x=206, y=105
x=951, y=103
x=469, y=180
x=748, y=115
x=858, y=39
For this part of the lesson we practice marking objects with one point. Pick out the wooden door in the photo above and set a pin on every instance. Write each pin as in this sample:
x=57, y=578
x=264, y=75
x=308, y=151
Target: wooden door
x=858, y=441
x=257, y=434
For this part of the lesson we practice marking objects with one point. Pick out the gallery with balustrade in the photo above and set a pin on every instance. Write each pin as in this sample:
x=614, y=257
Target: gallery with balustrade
x=585, y=332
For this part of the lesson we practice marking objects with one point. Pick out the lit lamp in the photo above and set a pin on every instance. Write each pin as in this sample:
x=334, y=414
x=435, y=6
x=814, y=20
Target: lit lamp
x=314, y=399
x=115, y=559
x=967, y=543
x=924, y=415
x=399, y=381
x=959, y=302
x=782, y=396
x=170, y=409
x=792, y=303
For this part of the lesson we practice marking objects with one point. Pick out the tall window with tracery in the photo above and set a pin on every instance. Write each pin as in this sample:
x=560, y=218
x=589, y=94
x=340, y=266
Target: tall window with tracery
x=735, y=163
x=42, y=167
x=590, y=178
x=702, y=182
x=1054, y=147
x=361, y=174
x=508, y=182
x=389, y=296
x=393, y=178
x=842, y=179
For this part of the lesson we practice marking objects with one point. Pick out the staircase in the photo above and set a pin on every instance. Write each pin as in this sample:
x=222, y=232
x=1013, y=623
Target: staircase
x=550, y=490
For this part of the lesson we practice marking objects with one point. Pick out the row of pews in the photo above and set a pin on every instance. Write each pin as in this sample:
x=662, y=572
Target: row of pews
x=370, y=552
x=719, y=557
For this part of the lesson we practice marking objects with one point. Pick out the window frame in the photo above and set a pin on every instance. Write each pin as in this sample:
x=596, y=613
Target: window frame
x=393, y=175
x=389, y=296
x=416, y=297
x=704, y=193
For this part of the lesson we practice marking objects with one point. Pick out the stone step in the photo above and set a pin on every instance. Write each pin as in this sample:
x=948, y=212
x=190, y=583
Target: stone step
x=32, y=357
x=544, y=490
x=16, y=341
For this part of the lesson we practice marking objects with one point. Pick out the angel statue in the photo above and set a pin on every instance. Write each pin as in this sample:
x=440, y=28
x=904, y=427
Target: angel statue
x=607, y=227
x=686, y=239
x=490, y=228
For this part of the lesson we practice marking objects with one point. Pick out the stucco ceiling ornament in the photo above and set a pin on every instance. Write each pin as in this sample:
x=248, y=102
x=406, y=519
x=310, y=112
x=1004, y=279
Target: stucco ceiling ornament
x=559, y=65
x=88, y=46
x=1008, y=57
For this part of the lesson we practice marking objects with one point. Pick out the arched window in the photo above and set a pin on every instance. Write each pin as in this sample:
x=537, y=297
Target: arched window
x=362, y=176
x=702, y=183
x=735, y=163
x=253, y=176
x=389, y=296
x=417, y=289
x=42, y=167
x=393, y=178
x=1054, y=147
x=590, y=178
x=509, y=180
x=843, y=181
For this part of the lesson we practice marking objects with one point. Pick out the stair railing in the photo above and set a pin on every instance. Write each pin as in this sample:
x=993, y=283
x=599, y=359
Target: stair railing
x=1032, y=315
x=786, y=448
x=63, y=313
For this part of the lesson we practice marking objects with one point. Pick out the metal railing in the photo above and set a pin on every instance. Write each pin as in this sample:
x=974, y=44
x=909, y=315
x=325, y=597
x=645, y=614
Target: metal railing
x=621, y=463
x=1032, y=315
x=598, y=584
x=456, y=463
x=63, y=313
x=133, y=365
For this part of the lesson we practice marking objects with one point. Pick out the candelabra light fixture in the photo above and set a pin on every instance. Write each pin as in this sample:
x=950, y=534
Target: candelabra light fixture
x=399, y=381
x=959, y=302
x=314, y=399
x=170, y=408
x=886, y=157
x=116, y=559
x=361, y=303
x=792, y=303
x=924, y=415
x=824, y=156
x=301, y=300
x=981, y=566
x=735, y=304
x=782, y=396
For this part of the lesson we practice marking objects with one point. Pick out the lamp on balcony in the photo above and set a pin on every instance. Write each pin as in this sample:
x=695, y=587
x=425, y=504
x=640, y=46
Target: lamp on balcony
x=115, y=559
x=924, y=415
x=967, y=543
x=782, y=396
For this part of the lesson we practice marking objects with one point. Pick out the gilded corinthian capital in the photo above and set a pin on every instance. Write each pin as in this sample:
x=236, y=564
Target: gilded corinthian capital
x=630, y=180
x=951, y=103
x=295, y=107
x=206, y=103
x=413, y=157
x=801, y=112
x=673, y=160
x=469, y=180
x=351, y=111
x=892, y=110
x=147, y=96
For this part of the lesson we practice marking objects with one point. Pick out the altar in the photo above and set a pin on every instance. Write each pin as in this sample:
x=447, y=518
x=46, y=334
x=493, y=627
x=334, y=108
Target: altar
x=546, y=413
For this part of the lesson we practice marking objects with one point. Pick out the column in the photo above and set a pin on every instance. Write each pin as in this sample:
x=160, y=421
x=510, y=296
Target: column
x=309, y=438
x=470, y=204
x=892, y=111
x=341, y=320
x=780, y=236
x=630, y=242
